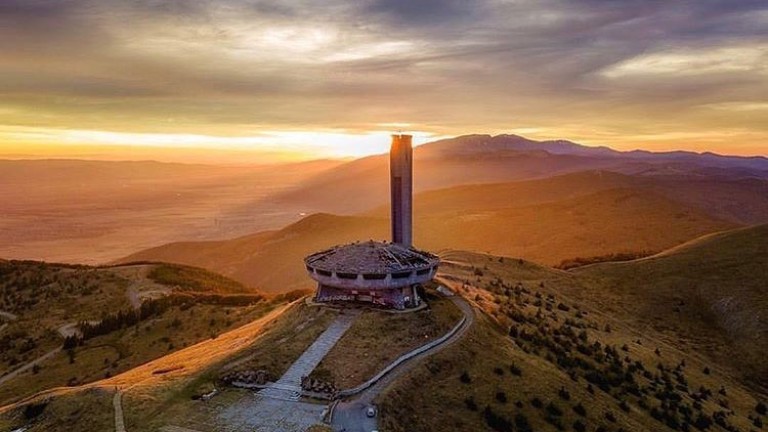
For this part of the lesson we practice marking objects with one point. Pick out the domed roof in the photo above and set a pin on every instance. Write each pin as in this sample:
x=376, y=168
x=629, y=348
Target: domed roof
x=371, y=257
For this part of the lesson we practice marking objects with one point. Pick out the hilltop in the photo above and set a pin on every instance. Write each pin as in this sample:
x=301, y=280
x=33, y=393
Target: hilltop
x=271, y=260
x=741, y=201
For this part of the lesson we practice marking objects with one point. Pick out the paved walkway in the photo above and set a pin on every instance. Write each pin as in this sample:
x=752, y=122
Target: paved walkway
x=9, y=316
x=277, y=408
x=29, y=365
x=288, y=387
x=256, y=413
x=350, y=415
x=117, y=403
x=176, y=429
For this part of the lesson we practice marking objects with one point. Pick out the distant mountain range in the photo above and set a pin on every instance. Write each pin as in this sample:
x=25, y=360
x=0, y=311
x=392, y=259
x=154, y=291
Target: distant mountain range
x=473, y=159
x=96, y=211
x=473, y=144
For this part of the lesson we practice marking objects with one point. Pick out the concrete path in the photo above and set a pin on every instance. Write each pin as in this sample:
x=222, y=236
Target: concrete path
x=277, y=407
x=350, y=415
x=288, y=387
x=29, y=365
x=176, y=429
x=117, y=403
x=9, y=316
x=256, y=413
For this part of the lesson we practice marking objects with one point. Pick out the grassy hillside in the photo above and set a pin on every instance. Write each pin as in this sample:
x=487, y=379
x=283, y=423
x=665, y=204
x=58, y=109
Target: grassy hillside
x=149, y=389
x=273, y=261
x=608, y=221
x=357, y=357
x=499, y=196
x=550, y=350
x=550, y=354
x=134, y=313
x=713, y=290
x=616, y=220
x=741, y=201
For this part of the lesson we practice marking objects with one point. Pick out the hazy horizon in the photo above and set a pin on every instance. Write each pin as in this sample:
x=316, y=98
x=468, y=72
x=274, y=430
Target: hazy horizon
x=373, y=144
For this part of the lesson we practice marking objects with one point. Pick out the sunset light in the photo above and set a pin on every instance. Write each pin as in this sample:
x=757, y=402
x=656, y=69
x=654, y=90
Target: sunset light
x=314, y=81
x=279, y=145
x=383, y=215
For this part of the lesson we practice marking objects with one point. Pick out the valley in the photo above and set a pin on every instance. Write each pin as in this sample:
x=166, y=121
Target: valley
x=92, y=212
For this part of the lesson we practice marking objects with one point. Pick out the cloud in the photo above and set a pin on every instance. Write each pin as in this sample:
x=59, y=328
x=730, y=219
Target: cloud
x=699, y=61
x=448, y=66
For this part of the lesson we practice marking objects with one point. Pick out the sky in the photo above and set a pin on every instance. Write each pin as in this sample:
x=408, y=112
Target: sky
x=301, y=79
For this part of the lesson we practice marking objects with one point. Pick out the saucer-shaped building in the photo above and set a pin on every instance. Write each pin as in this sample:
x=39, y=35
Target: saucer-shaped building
x=385, y=274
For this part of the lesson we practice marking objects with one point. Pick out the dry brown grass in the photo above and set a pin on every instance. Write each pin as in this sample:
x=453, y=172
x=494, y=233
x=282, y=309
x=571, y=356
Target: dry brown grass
x=281, y=338
x=85, y=411
x=437, y=396
x=64, y=295
x=377, y=338
x=123, y=350
x=287, y=339
x=606, y=222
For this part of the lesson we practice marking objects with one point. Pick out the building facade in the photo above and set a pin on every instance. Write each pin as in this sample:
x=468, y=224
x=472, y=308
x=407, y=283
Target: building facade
x=380, y=273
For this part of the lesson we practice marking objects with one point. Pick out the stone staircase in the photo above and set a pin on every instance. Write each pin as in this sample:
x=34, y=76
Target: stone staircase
x=288, y=387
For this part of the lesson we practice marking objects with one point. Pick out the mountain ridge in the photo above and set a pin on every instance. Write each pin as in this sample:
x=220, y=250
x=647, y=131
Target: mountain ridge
x=592, y=224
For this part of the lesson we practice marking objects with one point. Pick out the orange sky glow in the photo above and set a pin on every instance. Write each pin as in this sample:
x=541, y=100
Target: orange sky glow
x=261, y=82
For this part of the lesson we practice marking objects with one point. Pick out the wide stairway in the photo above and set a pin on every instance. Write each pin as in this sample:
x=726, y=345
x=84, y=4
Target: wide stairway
x=288, y=387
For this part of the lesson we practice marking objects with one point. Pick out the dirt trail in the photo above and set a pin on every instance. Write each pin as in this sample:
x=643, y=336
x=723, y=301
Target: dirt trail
x=117, y=404
x=29, y=366
x=175, y=365
x=137, y=274
x=9, y=316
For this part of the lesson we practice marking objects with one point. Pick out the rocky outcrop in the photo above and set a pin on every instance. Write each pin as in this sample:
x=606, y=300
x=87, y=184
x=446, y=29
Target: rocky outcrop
x=318, y=386
x=250, y=377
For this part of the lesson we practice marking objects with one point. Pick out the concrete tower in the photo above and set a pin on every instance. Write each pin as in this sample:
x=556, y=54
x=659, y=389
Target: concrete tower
x=401, y=185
